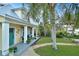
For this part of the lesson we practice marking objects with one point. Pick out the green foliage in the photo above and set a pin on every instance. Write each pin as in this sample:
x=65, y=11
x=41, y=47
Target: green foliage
x=76, y=36
x=44, y=28
x=66, y=35
x=47, y=11
x=41, y=30
x=71, y=14
x=13, y=49
x=59, y=35
x=29, y=40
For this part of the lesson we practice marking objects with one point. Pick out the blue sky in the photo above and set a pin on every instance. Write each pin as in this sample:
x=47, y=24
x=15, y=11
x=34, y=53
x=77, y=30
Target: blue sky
x=16, y=5
x=59, y=10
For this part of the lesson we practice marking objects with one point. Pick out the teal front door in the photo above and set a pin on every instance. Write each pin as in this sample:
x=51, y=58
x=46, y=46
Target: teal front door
x=11, y=36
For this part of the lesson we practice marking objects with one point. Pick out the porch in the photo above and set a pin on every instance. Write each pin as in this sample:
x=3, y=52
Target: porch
x=13, y=35
x=21, y=47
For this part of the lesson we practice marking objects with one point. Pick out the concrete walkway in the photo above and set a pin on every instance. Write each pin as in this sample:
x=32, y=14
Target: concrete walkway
x=23, y=47
x=45, y=44
x=29, y=52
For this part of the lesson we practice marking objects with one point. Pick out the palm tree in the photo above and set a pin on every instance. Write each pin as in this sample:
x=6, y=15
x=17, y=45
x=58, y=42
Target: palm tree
x=48, y=13
x=75, y=8
x=71, y=15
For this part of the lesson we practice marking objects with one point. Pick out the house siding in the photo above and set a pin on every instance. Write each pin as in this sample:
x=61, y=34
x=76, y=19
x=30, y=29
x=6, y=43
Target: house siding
x=1, y=18
x=17, y=32
x=19, y=13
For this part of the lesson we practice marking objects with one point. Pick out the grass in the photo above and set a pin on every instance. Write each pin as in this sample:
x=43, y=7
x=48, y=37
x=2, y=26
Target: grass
x=44, y=40
x=62, y=51
x=48, y=40
x=62, y=40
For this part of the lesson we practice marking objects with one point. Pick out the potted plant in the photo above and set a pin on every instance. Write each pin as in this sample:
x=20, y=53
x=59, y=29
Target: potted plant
x=11, y=53
x=15, y=49
x=12, y=50
x=28, y=41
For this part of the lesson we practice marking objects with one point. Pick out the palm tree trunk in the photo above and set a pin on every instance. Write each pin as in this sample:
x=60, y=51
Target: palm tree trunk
x=53, y=36
x=44, y=30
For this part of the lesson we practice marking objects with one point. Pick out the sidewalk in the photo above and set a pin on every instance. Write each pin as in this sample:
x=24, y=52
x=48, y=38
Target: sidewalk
x=23, y=47
x=29, y=52
x=45, y=44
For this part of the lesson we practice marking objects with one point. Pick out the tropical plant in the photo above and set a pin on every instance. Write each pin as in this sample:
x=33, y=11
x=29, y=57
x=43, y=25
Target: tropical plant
x=71, y=15
x=47, y=12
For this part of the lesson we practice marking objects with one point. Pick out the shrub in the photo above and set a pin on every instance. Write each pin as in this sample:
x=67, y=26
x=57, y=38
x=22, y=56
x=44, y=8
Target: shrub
x=13, y=49
x=76, y=36
x=28, y=40
x=59, y=34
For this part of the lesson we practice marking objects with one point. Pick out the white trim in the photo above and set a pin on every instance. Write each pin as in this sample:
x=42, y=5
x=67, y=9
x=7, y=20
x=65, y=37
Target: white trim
x=25, y=34
x=33, y=31
x=14, y=35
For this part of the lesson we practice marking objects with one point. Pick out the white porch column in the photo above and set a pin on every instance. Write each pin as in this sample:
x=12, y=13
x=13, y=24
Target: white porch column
x=32, y=32
x=5, y=38
x=25, y=34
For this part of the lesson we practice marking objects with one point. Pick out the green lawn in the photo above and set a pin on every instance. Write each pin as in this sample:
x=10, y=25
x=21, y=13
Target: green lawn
x=48, y=40
x=62, y=40
x=62, y=51
x=44, y=40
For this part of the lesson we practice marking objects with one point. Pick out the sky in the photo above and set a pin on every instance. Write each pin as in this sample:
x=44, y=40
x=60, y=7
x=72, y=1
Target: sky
x=16, y=5
x=59, y=10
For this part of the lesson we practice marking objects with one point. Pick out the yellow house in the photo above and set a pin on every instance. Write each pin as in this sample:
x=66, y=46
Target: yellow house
x=14, y=28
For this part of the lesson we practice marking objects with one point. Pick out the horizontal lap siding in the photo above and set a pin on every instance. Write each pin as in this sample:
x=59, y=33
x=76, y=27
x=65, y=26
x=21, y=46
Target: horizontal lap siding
x=18, y=32
x=1, y=18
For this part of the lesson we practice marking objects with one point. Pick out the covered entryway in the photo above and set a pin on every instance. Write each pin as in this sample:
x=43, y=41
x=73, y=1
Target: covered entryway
x=11, y=37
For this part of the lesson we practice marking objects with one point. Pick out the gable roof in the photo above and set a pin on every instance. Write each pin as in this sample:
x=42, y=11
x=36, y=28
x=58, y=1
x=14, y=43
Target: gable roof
x=7, y=9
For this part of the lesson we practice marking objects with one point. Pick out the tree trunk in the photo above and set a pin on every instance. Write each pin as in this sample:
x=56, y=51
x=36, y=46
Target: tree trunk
x=53, y=36
x=45, y=33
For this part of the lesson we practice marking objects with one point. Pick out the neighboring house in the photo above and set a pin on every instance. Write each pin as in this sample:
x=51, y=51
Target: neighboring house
x=69, y=29
x=13, y=28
